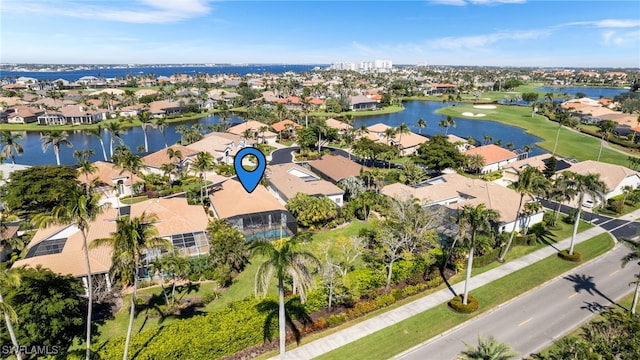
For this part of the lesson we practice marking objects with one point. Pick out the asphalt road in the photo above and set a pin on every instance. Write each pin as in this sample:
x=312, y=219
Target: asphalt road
x=532, y=322
x=621, y=229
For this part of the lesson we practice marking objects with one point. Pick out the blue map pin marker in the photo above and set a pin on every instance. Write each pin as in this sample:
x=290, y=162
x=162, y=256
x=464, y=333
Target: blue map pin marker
x=249, y=179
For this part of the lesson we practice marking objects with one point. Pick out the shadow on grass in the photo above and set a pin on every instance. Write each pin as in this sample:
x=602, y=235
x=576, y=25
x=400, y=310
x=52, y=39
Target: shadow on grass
x=586, y=283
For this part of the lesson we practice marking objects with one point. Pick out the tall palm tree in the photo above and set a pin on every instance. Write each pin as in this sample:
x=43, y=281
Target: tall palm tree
x=55, y=138
x=605, y=127
x=132, y=238
x=80, y=210
x=203, y=162
x=471, y=221
x=488, y=349
x=284, y=258
x=10, y=146
x=562, y=118
x=389, y=134
x=589, y=184
x=634, y=246
x=322, y=129
x=115, y=134
x=402, y=129
x=161, y=124
x=488, y=139
x=85, y=167
x=421, y=125
x=145, y=121
x=128, y=161
x=560, y=191
x=10, y=277
x=97, y=132
x=530, y=182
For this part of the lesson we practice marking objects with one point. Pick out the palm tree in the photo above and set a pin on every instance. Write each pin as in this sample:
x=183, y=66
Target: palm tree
x=402, y=129
x=488, y=139
x=446, y=123
x=157, y=267
x=634, y=255
x=562, y=117
x=321, y=127
x=262, y=130
x=10, y=146
x=389, y=134
x=421, y=125
x=128, y=161
x=605, y=127
x=11, y=278
x=132, y=238
x=475, y=162
x=284, y=258
x=161, y=124
x=80, y=210
x=473, y=220
x=115, y=134
x=55, y=138
x=582, y=185
x=97, y=132
x=530, y=182
x=203, y=162
x=85, y=167
x=488, y=349
x=145, y=121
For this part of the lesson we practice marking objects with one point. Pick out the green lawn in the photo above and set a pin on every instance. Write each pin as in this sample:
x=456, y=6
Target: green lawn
x=410, y=332
x=571, y=144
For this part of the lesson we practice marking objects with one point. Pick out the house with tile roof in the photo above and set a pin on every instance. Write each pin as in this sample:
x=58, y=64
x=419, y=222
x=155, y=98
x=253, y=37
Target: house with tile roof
x=60, y=247
x=253, y=127
x=162, y=108
x=223, y=146
x=615, y=177
x=336, y=167
x=154, y=161
x=363, y=103
x=338, y=125
x=287, y=180
x=455, y=191
x=23, y=114
x=258, y=215
x=495, y=157
x=111, y=181
x=285, y=125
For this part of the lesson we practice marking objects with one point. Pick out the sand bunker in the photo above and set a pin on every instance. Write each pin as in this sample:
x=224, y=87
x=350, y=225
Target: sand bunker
x=472, y=114
x=486, y=107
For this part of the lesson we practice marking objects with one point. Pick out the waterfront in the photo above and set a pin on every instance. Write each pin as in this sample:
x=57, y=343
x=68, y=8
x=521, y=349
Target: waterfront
x=413, y=111
x=592, y=92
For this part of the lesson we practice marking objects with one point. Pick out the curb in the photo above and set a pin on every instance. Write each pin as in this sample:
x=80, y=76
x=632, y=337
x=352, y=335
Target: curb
x=493, y=309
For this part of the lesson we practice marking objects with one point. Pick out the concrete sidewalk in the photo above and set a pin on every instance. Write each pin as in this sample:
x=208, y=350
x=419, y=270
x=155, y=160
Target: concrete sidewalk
x=360, y=330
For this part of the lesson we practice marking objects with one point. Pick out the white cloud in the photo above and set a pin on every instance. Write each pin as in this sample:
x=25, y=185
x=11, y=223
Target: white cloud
x=139, y=11
x=481, y=41
x=616, y=38
x=617, y=23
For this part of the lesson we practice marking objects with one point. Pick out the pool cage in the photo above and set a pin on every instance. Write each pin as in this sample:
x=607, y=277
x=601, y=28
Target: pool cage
x=268, y=225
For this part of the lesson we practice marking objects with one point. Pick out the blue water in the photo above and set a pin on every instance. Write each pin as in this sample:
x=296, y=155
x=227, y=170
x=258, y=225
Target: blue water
x=464, y=128
x=160, y=71
x=592, y=92
x=413, y=111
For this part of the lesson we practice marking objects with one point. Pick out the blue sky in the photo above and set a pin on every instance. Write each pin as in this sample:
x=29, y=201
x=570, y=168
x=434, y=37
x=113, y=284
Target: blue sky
x=445, y=32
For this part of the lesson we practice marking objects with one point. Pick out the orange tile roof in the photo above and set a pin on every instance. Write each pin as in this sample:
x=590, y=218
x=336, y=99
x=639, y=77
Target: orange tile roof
x=492, y=153
x=233, y=200
x=108, y=174
x=160, y=157
x=282, y=125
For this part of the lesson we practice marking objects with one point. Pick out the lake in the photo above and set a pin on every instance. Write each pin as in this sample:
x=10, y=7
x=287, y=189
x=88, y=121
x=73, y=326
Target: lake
x=413, y=111
x=592, y=92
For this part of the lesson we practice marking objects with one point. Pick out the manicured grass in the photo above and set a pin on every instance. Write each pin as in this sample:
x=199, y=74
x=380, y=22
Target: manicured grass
x=571, y=144
x=413, y=331
x=386, y=110
x=126, y=123
x=145, y=319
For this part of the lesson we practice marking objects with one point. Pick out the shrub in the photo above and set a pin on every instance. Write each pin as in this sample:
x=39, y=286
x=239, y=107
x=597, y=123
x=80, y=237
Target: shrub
x=337, y=319
x=432, y=283
x=457, y=305
x=564, y=254
x=397, y=294
x=361, y=308
x=385, y=300
x=615, y=205
x=316, y=301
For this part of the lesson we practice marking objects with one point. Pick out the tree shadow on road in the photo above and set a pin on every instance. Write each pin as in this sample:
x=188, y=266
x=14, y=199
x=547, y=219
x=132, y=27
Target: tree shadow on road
x=586, y=283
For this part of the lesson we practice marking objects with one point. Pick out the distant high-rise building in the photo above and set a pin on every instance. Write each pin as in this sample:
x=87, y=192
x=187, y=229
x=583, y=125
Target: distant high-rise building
x=365, y=66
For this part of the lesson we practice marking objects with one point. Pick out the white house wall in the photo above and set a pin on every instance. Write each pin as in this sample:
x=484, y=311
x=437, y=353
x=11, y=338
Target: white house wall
x=633, y=181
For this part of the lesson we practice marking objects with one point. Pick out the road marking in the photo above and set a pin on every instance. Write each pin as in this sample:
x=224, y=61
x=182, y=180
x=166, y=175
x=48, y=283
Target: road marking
x=574, y=294
x=524, y=322
x=613, y=273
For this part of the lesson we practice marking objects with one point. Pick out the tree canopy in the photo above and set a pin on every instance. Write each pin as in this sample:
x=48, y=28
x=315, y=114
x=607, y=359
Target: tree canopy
x=439, y=154
x=39, y=188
